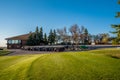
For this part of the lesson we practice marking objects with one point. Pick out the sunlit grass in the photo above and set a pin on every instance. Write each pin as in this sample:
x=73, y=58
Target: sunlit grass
x=112, y=52
x=85, y=65
x=3, y=52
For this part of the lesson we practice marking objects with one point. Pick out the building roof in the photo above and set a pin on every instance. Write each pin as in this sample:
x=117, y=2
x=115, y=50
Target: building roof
x=20, y=37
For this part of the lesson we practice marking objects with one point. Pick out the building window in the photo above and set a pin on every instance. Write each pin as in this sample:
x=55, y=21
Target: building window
x=19, y=41
x=14, y=41
x=9, y=41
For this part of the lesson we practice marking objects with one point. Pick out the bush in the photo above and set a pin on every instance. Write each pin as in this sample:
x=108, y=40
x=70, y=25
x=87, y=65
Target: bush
x=115, y=41
x=83, y=47
x=2, y=52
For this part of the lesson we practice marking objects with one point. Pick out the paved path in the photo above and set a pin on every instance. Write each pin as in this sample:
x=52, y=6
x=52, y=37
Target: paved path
x=23, y=52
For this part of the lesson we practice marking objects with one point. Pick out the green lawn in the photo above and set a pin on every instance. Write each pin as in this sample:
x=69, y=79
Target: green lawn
x=86, y=65
x=3, y=52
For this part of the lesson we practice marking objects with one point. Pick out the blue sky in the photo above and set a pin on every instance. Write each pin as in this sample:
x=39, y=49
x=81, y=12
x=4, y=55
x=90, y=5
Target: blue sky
x=21, y=16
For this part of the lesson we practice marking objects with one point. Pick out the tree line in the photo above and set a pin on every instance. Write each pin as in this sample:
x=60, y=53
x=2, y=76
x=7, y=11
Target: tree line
x=75, y=35
x=38, y=38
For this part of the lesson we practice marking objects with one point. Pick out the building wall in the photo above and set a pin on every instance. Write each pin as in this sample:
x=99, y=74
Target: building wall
x=23, y=42
x=16, y=46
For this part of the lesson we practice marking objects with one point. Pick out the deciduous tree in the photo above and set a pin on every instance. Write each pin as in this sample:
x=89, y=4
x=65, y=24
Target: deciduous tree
x=62, y=35
x=74, y=29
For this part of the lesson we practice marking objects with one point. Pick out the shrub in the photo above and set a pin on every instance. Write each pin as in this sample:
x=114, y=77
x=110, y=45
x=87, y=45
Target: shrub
x=115, y=41
x=83, y=47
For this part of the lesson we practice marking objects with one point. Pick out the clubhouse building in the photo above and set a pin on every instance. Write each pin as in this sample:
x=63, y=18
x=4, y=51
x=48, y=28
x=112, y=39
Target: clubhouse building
x=17, y=42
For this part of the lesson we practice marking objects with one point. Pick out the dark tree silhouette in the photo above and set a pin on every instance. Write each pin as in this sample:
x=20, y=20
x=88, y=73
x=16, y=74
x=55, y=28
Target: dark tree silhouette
x=116, y=40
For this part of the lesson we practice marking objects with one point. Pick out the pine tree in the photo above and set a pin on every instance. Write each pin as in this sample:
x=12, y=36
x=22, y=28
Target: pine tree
x=41, y=36
x=36, y=36
x=30, y=40
x=54, y=36
x=118, y=13
x=50, y=37
x=119, y=2
x=37, y=30
x=86, y=31
x=86, y=36
x=117, y=30
x=45, y=39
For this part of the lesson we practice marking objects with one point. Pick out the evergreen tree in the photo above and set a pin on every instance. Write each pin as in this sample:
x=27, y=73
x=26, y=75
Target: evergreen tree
x=51, y=37
x=86, y=32
x=41, y=36
x=45, y=39
x=86, y=36
x=54, y=36
x=36, y=36
x=81, y=33
x=118, y=13
x=117, y=30
x=37, y=30
x=30, y=40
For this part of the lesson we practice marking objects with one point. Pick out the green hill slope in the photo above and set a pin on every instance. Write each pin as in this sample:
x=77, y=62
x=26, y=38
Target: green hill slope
x=88, y=65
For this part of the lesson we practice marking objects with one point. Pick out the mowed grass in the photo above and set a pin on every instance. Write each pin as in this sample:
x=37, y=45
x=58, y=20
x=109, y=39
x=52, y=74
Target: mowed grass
x=3, y=52
x=85, y=65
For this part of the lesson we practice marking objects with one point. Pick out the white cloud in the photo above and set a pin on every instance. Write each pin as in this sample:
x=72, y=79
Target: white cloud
x=2, y=41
